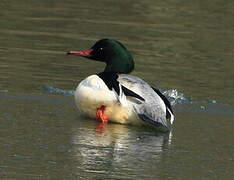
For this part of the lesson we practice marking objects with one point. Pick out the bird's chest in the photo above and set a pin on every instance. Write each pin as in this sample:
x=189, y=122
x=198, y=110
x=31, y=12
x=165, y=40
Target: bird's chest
x=92, y=93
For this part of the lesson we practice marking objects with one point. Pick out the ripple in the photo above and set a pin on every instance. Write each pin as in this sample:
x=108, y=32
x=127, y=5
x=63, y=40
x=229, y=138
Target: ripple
x=173, y=95
x=3, y=90
x=176, y=97
x=53, y=90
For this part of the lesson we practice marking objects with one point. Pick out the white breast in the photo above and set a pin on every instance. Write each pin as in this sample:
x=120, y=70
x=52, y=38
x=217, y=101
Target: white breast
x=92, y=93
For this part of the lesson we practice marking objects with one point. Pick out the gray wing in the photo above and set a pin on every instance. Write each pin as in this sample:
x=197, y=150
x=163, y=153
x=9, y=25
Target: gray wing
x=153, y=108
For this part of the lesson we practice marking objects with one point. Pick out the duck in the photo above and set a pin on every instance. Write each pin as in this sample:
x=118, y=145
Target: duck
x=114, y=95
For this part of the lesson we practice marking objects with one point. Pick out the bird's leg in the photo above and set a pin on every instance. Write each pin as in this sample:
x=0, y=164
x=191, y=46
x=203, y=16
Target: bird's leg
x=100, y=114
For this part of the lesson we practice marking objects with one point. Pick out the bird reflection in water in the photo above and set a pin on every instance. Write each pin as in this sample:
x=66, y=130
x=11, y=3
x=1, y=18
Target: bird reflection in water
x=100, y=127
x=104, y=148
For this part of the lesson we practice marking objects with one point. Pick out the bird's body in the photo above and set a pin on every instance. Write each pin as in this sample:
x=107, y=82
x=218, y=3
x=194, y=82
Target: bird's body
x=113, y=95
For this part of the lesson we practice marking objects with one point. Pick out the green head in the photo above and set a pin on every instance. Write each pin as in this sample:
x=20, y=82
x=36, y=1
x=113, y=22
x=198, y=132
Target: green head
x=117, y=58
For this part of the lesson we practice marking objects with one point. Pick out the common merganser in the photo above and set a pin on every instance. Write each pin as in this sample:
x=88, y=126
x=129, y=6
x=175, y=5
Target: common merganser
x=114, y=95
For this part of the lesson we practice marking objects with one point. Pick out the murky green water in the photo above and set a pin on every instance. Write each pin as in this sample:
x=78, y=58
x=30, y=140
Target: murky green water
x=182, y=45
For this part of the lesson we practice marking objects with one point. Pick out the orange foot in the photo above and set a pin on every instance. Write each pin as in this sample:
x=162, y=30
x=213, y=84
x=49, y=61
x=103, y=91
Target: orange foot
x=100, y=114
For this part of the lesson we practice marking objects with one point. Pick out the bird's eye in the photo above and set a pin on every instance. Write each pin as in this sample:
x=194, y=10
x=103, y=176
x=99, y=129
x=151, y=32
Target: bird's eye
x=100, y=50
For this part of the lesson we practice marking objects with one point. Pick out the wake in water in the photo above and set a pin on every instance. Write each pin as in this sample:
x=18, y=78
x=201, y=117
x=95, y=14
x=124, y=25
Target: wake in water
x=3, y=90
x=173, y=95
x=53, y=90
x=176, y=97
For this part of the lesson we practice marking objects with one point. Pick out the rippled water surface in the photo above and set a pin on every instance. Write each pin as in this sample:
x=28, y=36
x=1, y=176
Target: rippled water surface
x=185, y=48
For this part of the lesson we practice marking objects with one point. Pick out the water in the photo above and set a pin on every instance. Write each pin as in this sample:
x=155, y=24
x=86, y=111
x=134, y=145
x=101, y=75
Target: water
x=185, y=48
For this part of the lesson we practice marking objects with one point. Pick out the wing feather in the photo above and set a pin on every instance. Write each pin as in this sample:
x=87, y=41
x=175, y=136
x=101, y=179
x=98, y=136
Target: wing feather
x=153, y=110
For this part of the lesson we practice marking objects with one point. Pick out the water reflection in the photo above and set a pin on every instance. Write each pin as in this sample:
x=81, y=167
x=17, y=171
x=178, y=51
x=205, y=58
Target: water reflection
x=115, y=147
